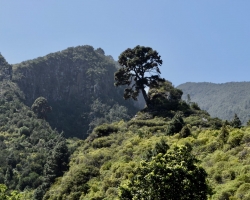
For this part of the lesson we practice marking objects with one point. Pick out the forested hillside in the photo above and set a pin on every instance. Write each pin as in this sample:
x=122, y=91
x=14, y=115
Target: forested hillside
x=28, y=145
x=79, y=86
x=120, y=159
x=221, y=100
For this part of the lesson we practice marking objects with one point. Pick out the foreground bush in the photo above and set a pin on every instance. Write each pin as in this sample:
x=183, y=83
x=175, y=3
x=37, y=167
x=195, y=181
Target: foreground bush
x=170, y=175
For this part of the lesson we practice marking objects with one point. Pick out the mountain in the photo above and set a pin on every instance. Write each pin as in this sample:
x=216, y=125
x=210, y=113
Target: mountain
x=220, y=100
x=78, y=84
x=120, y=153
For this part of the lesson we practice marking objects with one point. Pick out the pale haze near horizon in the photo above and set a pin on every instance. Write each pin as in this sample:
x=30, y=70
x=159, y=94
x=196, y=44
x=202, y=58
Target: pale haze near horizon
x=199, y=41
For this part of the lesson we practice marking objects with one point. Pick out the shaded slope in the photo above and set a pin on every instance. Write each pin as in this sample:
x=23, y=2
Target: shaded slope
x=73, y=81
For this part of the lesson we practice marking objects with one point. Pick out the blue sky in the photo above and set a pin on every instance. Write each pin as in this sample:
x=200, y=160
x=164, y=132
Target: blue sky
x=199, y=41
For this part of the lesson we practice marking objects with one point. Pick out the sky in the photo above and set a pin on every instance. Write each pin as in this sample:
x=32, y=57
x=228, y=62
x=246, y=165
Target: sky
x=199, y=41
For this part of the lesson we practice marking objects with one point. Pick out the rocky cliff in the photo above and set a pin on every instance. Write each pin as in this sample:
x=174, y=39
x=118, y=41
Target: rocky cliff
x=72, y=80
x=5, y=69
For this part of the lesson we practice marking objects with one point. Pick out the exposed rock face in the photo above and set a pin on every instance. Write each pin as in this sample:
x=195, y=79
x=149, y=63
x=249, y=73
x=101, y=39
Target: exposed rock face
x=73, y=73
x=5, y=69
x=71, y=80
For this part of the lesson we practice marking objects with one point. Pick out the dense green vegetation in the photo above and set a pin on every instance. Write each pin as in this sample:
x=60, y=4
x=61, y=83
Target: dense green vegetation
x=110, y=156
x=105, y=163
x=221, y=100
x=26, y=142
x=169, y=174
x=123, y=157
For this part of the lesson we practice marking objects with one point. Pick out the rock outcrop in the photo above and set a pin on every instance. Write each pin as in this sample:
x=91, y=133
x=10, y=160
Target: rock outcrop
x=71, y=80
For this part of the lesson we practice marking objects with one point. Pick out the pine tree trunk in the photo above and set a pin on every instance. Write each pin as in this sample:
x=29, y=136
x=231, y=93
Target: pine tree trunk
x=145, y=97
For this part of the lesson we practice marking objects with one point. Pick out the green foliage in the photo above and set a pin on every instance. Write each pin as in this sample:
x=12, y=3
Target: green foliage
x=235, y=138
x=41, y=107
x=170, y=175
x=105, y=130
x=223, y=136
x=56, y=165
x=175, y=125
x=195, y=106
x=115, y=157
x=103, y=113
x=24, y=131
x=149, y=123
x=185, y=132
x=243, y=191
x=203, y=120
x=78, y=183
x=236, y=123
x=135, y=64
x=25, y=143
x=4, y=195
x=165, y=96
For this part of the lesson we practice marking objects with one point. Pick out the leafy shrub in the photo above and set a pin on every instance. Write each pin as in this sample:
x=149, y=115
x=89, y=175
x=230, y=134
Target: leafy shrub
x=20, y=124
x=105, y=130
x=24, y=131
x=246, y=138
x=40, y=107
x=225, y=195
x=235, y=138
x=172, y=175
x=102, y=142
x=149, y=123
x=217, y=177
x=77, y=180
x=28, y=181
x=236, y=123
x=243, y=191
x=175, y=125
x=14, y=195
x=212, y=146
x=185, y=132
x=197, y=121
x=195, y=106
x=223, y=136
x=215, y=123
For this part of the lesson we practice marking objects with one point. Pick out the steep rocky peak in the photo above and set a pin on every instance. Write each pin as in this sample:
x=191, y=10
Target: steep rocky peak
x=79, y=72
x=5, y=69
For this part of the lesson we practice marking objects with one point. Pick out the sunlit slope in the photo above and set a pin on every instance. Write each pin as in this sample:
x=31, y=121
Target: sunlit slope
x=111, y=153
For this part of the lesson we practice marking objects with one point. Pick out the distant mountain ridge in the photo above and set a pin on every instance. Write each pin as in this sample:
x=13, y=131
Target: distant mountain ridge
x=220, y=100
